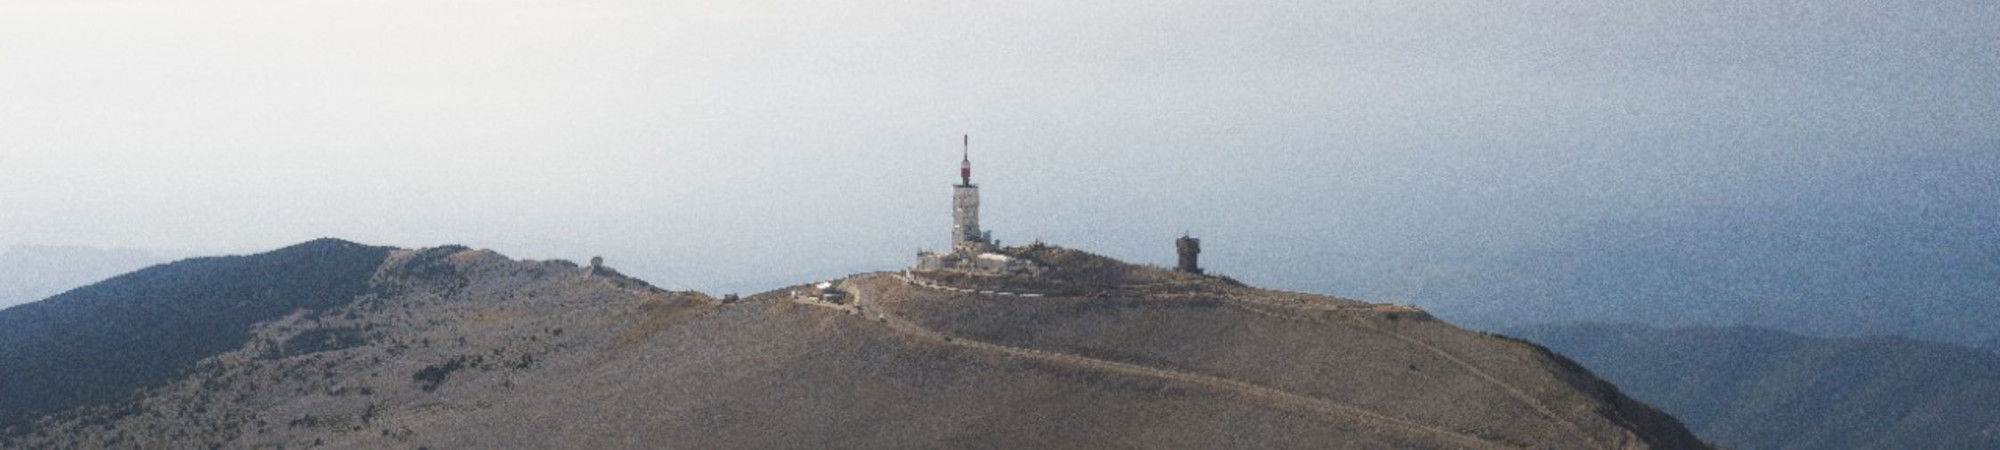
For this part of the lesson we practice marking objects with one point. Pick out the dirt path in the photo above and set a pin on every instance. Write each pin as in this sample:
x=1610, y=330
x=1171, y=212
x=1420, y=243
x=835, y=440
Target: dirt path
x=1256, y=305
x=1447, y=356
x=1333, y=409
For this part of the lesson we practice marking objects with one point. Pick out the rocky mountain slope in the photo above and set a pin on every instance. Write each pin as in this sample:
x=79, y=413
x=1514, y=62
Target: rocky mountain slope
x=1753, y=388
x=456, y=348
x=96, y=343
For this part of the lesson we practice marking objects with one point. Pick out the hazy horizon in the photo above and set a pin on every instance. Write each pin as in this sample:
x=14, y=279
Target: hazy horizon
x=1363, y=149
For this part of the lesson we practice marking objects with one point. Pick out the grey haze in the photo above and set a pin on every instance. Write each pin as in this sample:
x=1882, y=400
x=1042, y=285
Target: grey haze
x=1394, y=151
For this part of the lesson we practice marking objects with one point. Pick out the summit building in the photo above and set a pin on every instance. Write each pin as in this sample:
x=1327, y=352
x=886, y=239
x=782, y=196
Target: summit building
x=972, y=249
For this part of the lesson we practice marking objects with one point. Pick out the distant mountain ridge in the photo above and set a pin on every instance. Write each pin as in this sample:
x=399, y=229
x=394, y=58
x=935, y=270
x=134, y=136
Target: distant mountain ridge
x=1821, y=269
x=34, y=272
x=136, y=330
x=1754, y=388
x=342, y=345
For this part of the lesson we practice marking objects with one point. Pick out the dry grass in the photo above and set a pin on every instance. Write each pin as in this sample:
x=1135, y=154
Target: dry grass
x=655, y=315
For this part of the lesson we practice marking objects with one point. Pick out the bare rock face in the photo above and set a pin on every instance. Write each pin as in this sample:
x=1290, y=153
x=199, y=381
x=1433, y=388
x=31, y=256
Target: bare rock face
x=457, y=348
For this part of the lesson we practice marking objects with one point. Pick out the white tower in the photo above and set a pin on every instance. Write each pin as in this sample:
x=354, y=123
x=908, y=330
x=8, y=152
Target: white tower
x=965, y=234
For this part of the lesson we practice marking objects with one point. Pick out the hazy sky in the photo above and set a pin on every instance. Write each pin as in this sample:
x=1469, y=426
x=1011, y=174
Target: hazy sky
x=734, y=145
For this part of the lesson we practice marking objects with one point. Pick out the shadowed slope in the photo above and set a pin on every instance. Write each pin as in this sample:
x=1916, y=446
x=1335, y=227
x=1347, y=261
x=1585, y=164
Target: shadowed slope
x=141, y=329
x=1755, y=388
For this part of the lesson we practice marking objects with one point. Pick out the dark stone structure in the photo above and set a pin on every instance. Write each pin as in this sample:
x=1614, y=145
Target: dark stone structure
x=1190, y=250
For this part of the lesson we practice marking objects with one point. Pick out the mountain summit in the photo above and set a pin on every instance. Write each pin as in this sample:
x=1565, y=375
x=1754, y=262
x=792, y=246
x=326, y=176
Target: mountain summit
x=341, y=345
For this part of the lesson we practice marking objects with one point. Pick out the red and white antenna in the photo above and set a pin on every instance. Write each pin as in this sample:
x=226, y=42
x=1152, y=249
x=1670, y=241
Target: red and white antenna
x=965, y=165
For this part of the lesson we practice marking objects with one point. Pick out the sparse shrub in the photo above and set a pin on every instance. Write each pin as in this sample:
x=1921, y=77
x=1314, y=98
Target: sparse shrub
x=432, y=376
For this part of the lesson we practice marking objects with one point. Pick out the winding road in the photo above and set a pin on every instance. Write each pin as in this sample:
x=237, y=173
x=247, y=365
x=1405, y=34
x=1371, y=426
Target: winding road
x=1329, y=408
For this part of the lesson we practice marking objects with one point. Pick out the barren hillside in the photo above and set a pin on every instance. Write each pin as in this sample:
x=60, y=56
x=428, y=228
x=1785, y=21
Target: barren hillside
x=457, y=348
